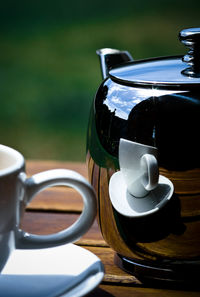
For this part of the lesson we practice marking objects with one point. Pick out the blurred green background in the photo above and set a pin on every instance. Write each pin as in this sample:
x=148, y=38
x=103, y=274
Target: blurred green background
x=49, y=71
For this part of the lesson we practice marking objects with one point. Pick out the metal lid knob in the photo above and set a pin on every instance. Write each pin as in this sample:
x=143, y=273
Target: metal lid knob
x=191, y=38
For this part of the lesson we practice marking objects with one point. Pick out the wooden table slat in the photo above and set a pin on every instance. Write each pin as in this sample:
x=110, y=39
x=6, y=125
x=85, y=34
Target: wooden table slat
x=60, y=199
x=108, y=290
x=47, y=223
x=36, y=166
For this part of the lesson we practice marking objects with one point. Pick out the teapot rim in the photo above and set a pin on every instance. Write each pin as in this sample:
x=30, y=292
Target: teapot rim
x=157, y=72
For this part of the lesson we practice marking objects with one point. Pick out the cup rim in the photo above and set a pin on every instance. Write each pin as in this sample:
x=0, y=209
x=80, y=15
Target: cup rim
x=139, y=144
x=18, y=160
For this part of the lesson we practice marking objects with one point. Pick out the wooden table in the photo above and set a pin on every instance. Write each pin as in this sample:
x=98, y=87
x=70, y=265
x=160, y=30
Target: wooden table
x=56, y=208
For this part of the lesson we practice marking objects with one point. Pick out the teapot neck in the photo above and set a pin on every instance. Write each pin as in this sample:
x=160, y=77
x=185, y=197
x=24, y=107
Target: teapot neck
x=110, y=58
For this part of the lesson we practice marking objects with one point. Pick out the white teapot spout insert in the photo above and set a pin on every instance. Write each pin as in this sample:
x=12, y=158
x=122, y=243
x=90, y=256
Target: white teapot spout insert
x=138, y=189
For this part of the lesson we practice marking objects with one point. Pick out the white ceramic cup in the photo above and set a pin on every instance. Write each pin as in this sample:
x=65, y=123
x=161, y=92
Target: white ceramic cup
x=139, y=167
x=16, y=191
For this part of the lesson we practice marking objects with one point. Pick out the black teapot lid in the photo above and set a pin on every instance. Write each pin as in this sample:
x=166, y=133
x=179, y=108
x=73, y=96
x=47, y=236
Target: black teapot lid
x=179, y=72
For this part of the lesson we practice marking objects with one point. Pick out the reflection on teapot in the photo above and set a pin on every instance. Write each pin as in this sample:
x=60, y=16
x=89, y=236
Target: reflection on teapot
x=154, y=102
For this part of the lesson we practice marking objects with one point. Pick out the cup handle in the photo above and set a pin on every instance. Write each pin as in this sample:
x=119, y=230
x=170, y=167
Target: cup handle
x=64, y=177
x=149, y=166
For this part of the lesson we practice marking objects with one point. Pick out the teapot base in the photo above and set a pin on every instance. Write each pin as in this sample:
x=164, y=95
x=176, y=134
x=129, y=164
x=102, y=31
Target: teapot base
x=185, y=275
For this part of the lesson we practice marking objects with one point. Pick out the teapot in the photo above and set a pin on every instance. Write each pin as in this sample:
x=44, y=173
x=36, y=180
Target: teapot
x=144, y=127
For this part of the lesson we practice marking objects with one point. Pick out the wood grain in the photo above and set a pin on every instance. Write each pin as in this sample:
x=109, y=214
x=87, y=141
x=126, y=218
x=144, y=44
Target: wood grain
x=35, y=166
x=107, y=290
x=49, y=222
x=57, y=199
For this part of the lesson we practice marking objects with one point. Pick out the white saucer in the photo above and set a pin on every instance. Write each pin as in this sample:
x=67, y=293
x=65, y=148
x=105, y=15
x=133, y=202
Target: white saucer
x=130, y=206
x=67, y=270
